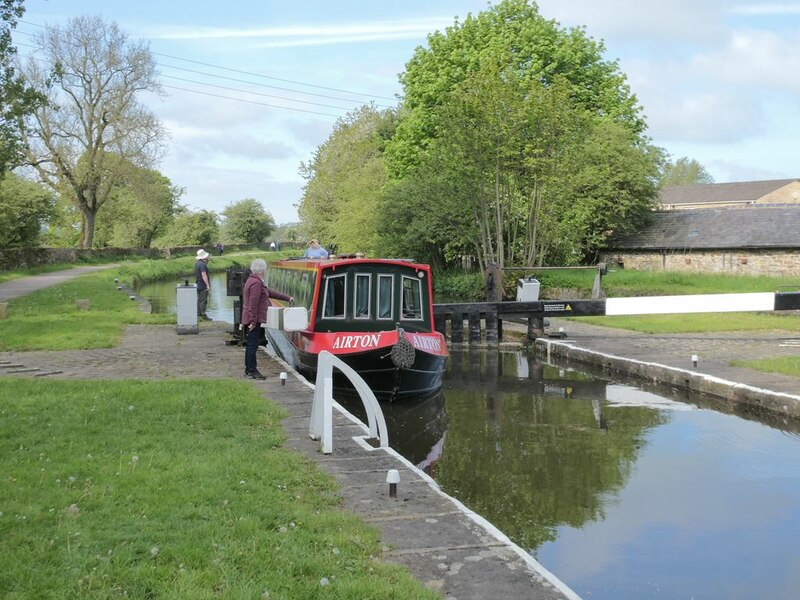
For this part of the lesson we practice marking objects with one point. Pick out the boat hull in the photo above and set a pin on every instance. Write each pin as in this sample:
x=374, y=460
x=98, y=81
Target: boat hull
x=387, y=380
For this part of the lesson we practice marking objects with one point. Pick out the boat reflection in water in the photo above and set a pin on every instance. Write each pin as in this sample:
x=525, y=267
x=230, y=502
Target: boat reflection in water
x=612, y=487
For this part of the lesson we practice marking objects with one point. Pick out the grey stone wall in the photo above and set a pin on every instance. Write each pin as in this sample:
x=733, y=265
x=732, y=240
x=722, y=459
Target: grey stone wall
x=754, y=262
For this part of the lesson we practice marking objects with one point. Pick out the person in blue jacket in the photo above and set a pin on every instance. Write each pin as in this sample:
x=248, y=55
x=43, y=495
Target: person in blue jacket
x=314, y=250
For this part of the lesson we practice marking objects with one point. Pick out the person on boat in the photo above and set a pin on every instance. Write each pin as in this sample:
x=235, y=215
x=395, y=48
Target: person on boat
x=314, y=250
x=203, y=284
x=256, y=298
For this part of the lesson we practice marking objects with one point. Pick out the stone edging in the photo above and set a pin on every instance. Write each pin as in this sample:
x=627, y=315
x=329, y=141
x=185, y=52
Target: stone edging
x=777, y=403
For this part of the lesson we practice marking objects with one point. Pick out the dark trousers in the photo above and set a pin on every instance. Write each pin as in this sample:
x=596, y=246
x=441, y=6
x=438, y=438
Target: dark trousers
x=253, y=337
x=202, y=301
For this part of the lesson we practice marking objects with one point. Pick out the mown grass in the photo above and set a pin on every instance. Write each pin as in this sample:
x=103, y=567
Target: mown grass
x=786, y=365
x=699, y=323
x=171, y=490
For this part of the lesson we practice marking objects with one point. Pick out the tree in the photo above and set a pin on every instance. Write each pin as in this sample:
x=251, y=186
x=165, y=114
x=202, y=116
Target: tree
x=24, y=208
x=190, y=229
x=92, y=125
x=247, y=222
x=520, y=42
x=140, y=207
x=16, y=99
x=685, y=171
x=344, y=182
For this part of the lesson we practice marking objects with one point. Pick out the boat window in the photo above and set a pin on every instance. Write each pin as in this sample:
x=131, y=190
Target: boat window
x=334, y=297
x=412, y=299
x=385, y=296
x=361, y=300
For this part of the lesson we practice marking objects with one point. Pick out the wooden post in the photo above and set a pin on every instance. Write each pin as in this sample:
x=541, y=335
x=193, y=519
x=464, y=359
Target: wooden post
x=494, y=283
x=3, y=310
x=491, y=328
x=535, y=328
x=474, y=327
x=457, y=328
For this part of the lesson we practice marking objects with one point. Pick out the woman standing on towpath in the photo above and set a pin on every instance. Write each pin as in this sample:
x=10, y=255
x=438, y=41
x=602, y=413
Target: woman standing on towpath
x=256, y=298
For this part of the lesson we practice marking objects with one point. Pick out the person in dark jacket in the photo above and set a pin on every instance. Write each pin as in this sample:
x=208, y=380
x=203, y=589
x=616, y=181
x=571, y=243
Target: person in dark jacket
x=256, y=298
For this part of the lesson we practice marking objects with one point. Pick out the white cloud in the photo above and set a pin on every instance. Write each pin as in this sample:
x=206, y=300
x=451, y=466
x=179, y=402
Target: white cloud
x=775, y=9
x=320, y=33
x=661, y=21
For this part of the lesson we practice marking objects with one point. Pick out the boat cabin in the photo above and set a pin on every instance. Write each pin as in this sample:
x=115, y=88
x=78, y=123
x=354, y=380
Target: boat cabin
x=358, y=294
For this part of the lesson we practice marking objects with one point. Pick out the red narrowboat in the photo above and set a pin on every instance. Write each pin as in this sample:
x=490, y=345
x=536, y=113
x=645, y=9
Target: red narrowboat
x=374, y=314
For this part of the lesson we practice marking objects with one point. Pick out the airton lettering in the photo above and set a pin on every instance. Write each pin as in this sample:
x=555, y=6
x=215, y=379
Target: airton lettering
x=426, y=343
x=343, y=342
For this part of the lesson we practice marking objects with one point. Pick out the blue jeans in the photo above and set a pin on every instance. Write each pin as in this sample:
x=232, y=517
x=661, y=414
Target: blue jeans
x=251, y=348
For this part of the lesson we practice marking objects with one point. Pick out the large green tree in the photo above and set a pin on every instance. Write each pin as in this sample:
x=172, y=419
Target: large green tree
x=246, y=222
x=190, y=228
x=25, y=206
x=16, y=99
x=140, y=207
x=344, y=182
x=92, y=125
x=520, y=42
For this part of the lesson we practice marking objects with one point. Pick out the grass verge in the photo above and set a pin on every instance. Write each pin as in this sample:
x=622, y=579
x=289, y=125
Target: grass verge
x=173, y=489
x=700, y=323
x=786, y=365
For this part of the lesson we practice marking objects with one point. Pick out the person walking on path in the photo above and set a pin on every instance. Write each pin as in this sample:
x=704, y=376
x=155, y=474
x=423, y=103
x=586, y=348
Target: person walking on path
x=256, y=298
x=220, y=248
x=314, y=250
x=203, y=284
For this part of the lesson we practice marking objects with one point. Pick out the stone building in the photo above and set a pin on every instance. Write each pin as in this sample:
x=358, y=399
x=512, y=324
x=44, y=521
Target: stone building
x=750, y=228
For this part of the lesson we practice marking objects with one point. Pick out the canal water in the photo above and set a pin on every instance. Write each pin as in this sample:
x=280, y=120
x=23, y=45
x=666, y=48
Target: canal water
x=623, y=492
x=162, y=296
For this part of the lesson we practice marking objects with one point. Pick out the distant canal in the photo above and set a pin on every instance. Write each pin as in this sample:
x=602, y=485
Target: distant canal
x=622, y=492
x=162, y=296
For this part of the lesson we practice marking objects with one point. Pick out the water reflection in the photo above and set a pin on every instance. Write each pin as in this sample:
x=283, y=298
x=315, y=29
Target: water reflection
x=622, y=492
x=162, y=296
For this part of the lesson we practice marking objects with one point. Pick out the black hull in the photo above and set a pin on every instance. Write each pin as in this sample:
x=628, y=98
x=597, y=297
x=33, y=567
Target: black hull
x=386, y=380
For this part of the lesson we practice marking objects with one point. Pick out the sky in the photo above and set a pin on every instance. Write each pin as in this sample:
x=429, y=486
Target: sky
x=252, y=88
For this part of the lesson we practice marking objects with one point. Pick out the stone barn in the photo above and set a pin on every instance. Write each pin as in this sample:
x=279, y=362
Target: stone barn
x=748, y=228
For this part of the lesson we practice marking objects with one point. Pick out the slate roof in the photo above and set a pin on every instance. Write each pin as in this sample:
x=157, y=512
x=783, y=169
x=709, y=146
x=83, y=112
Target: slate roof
x=716, y=229
x=742, y=191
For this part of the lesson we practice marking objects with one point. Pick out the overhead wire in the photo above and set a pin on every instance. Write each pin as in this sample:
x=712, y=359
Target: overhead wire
x=252, y=74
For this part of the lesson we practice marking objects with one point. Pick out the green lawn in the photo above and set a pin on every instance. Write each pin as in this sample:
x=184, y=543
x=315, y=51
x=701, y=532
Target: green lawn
x=171, y=490
x=700, y=323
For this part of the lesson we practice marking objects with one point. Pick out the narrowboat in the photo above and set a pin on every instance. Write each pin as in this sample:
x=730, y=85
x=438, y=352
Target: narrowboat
x=374, y=314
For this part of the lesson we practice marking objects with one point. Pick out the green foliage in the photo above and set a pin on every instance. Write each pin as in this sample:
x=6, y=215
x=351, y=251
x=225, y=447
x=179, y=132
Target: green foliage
x=24, y=207
x=520, y=43
x=140, y=207
x=344, y=182
x=16, y=98
x=190, y=229
x=175, y=489
x=685, y=171
x=516, y=143
x=246, y=222
x=455, y=286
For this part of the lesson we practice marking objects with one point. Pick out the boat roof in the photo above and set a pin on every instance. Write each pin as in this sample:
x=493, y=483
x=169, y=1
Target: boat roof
x=340, y=259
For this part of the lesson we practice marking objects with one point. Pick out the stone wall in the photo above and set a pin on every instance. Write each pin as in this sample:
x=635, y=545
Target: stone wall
x=754, y=262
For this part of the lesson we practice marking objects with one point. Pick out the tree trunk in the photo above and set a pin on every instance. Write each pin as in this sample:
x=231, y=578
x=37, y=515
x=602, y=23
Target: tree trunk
x=87, y=226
